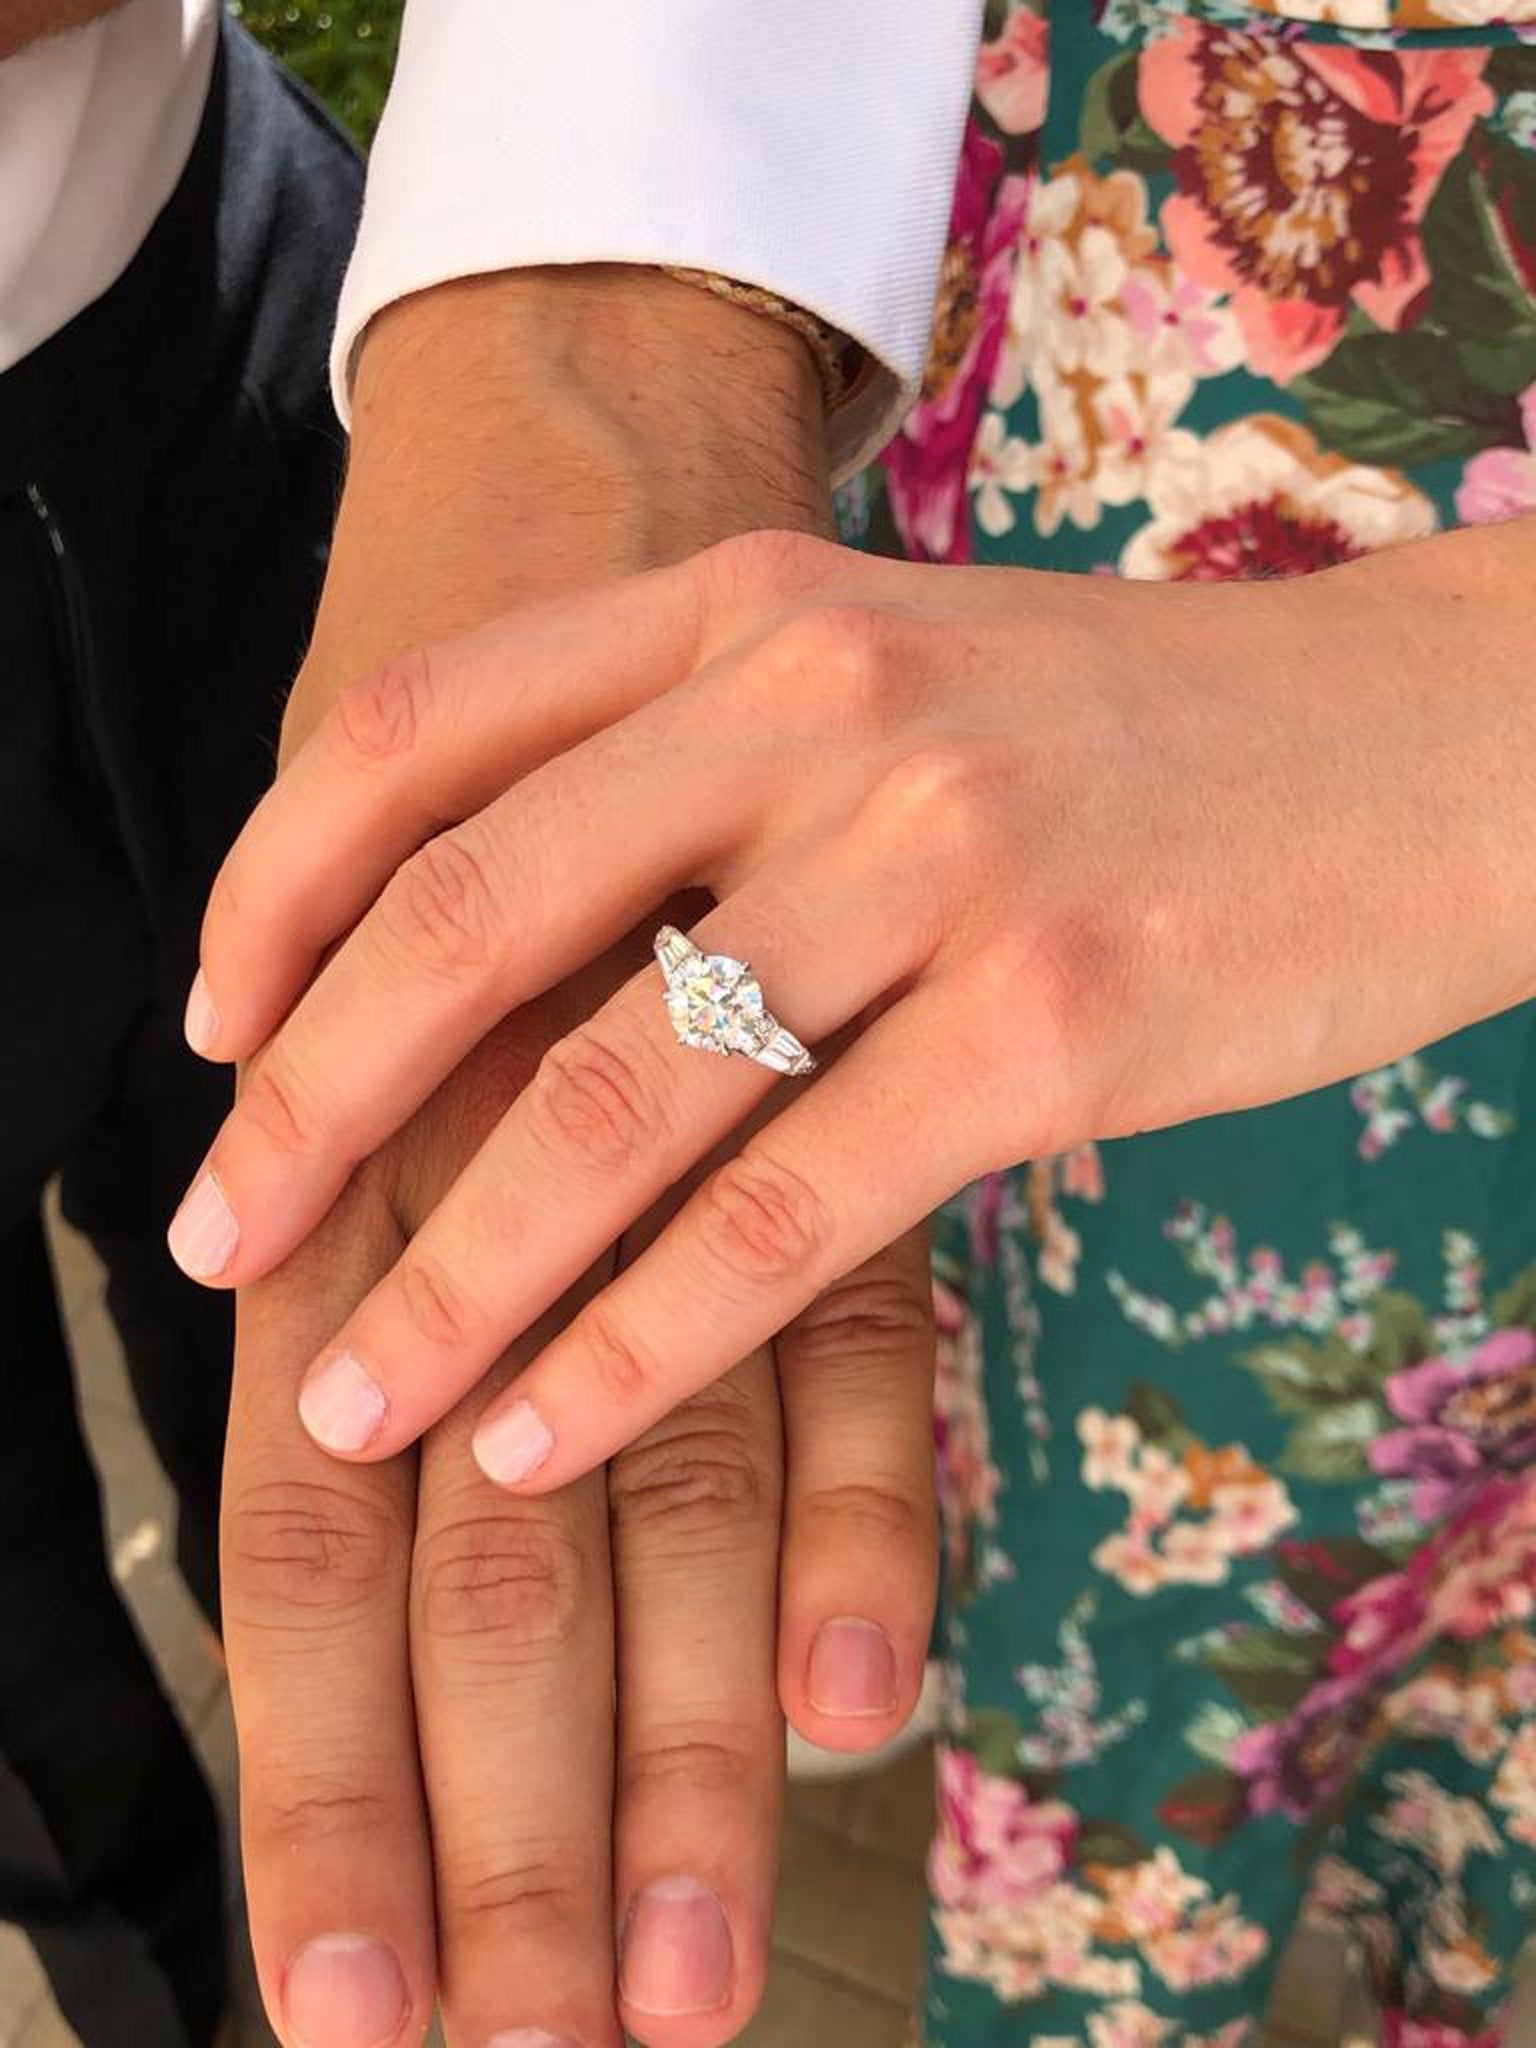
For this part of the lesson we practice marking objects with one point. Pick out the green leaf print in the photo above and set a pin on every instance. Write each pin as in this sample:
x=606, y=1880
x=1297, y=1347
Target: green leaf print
x=992, y=1736
x=1206, y=1806
x=1107, y=1843
x=1515, y=1308
x=1335, y=1390
x=1478, y=291
x=1512, y=69
x=1405, y=399
x=1322, y=1574
x=1332, y=1445
x=1401, y=1335
x=1158, y=1416
x=1268, y=1671
x=1113, y=126
x=1302, y=1378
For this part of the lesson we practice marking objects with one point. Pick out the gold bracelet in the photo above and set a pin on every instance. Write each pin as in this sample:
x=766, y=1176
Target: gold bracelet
x=838, y=360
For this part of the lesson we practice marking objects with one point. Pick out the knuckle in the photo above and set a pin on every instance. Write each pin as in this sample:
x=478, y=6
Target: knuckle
x=695, y=1481
x=831, y=664
x=881, y=1516
x=437, y=1308
x=300, y=1553
x=762, y=1222
x=511, y=1585
x=871, y=1318
x=705, y=1758
x=276, y=1105
x=310, y=1810
x=625, y=1376
x=382, y=716
x=594, y=1098
x=440, y=909
x=937, y=790
x=543, y=1893
x=749, y=570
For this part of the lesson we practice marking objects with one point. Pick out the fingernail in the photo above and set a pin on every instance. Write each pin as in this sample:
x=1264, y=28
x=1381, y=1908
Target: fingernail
x=851, y=1670
x=677, y=1950
x=344, y=1991
x=529, y=2037
x=342, y=1405
x=511, y=1447
x=203, y=1233
x=202, y=1019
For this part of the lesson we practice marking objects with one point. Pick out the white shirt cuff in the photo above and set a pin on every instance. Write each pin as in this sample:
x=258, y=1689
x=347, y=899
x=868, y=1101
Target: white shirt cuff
x=805, y=146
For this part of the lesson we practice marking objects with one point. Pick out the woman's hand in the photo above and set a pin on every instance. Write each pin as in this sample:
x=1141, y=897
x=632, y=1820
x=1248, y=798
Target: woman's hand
x=1047, y=859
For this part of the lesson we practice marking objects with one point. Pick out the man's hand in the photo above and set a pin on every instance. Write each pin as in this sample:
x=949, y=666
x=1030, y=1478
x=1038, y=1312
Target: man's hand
x=452, y=1782
x=424, y=1680
x=510, y=1754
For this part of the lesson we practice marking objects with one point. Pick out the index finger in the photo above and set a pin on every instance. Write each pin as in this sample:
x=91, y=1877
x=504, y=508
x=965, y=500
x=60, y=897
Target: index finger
x=425, y=740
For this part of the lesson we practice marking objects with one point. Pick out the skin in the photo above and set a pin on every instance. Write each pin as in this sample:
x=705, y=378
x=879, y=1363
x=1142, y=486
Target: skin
x=477, y=1734
x=941, y=811
x=27, y=21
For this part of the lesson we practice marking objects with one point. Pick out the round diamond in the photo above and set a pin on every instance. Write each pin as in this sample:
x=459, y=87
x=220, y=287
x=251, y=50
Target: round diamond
x=715, y=1004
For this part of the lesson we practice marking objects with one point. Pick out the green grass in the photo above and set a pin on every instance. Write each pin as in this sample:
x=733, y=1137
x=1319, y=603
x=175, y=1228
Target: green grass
x=344, y=50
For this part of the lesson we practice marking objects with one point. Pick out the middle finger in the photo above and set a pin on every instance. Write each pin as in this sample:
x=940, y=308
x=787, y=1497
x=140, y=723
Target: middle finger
x=616, y=1115
x=512, y=1655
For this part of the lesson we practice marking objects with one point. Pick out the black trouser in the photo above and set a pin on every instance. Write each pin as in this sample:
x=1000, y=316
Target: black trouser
x=168, y=471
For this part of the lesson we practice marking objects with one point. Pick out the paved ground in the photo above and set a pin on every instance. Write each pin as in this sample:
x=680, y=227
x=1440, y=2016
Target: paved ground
x=849, y=1932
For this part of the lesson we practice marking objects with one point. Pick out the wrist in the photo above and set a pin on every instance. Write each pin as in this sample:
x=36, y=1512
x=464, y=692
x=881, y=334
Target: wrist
x=612, y=384
x=517, y=435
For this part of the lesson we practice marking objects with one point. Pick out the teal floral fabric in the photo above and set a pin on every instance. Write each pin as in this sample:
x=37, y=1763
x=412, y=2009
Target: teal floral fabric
x=1237, y=1422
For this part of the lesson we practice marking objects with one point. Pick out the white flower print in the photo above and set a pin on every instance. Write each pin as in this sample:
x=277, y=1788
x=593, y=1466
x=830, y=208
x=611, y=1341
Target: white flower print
x=1002, y=467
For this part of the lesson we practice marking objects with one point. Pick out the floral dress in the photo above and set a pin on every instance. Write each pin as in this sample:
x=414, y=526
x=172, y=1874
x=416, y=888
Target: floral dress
x=1238, y=1420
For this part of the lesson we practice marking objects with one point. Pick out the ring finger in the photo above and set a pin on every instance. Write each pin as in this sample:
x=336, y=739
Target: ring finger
x=695, y=1509
x=615, y=1116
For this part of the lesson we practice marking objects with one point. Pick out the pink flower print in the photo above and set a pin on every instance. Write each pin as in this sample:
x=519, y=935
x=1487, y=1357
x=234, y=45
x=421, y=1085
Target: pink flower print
x=1110, y=1443
x=1249, y=1516
x=1384, y=1614
x=1013, y=73
x=1216, y=1947
x=1401, y=2031
x=1126, y=2024
x=1082, y=1173
x=1294, y=1765
x=968, y=1480
x=1197, y=1553
x=928, y=464
x=1304, y=173
x=1129, y=1559
x=995, y=1847
x=1155, y=1486
x=1464, y=1419
x=1150, y=1897
x=1500, y=483
x=1182, y=328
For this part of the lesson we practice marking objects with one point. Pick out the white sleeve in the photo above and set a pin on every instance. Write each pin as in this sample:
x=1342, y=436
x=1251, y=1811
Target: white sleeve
x=806, y=146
